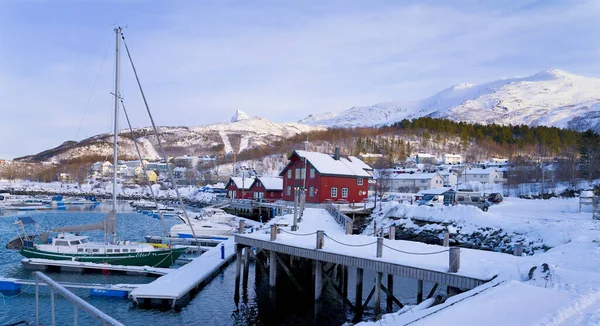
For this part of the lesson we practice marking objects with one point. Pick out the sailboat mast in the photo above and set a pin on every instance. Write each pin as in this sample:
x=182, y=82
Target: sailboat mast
x=116, y=126
x=113, y=214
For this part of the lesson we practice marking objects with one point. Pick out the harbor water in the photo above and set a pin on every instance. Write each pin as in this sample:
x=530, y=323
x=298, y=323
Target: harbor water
x=213, y=305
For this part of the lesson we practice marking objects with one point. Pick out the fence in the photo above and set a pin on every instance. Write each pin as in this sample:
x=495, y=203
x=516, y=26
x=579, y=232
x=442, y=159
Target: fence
x=77, y=302
x=341, y=218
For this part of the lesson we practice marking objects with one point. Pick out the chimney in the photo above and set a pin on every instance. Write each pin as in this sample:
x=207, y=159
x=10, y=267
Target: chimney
x=336, y=155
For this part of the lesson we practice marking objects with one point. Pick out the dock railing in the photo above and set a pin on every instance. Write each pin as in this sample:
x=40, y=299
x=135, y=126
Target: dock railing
x=77, y=302
x=340, y=217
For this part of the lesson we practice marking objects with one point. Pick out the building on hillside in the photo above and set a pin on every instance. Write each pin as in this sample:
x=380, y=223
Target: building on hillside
x=370, y=158
x=179, y=173
x=499, y=160
x=239, y=188
x=65, y=177
x=267, y=188
x=451, y=159
x=190, y=162
x=424, y=158
x=208, y=158
x=489, y=175
x=160, y=167
x=329, y=177
x=450, y=178
x=413, y=182
x=127, y=173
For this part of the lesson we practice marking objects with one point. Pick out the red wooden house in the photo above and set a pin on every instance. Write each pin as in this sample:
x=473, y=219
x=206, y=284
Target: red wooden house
x=267, y=188
x=239, y=188
x=329, y=177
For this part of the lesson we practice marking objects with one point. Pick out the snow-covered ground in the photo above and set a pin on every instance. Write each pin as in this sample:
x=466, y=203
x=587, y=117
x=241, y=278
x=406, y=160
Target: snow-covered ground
x=565, y=291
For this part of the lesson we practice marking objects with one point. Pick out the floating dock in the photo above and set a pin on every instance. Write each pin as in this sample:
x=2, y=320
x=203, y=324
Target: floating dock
x=106, y=290
x=178, y=287
x=81, y=267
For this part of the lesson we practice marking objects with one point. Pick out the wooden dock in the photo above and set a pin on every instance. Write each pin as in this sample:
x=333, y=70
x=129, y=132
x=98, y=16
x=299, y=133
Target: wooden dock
x=178, y=287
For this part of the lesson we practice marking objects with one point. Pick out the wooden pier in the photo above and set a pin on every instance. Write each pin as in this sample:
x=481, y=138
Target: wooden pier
x=110, y=290
x=332, y=253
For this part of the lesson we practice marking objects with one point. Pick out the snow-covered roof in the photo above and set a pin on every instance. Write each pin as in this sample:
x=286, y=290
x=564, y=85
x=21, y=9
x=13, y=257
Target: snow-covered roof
x=479, y=171
x=425, y=155
x=179, y=169
x=434, y=191
x=453, y=155
x=239, y=182
x=326, y=164
x=414, y=176
x=271, y=183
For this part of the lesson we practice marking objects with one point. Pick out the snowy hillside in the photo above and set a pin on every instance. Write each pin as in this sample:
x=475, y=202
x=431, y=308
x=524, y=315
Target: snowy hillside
x=550, y=98
x=232, y=137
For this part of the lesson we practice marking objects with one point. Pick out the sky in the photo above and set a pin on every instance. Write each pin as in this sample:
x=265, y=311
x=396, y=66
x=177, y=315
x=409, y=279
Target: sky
x=200, y=61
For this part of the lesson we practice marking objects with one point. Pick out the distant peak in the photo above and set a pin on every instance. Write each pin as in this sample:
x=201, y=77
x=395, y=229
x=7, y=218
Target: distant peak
x=239, y=116
x=552, y=74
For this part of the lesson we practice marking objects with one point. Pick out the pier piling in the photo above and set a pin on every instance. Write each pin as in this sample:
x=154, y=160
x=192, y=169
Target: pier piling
x=272, y=268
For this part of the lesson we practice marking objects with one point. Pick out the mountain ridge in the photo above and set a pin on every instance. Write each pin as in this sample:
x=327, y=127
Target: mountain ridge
x=551, y=98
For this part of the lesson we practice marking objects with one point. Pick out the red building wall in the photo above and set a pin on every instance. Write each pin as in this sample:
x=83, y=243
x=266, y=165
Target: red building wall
x=269, y=195
x=322, y=185
x=238, y=192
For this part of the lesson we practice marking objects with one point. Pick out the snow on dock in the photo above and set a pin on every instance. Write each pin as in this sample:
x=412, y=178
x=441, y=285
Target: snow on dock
x=178, y=286
x=476, y=266
x=78, y=266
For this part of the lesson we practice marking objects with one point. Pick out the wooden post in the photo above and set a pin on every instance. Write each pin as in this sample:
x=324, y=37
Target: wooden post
x=518, y=250
x=238, y=270
x=419, y=291
x=378, y=295
x=454, y=259
x=242, y=227
x=379, y=247
x=359, y=290
x=345, y=283
x=246, y=267
x=320, y=239
x=446, y=242
x=349, y=227
x=375, y=228
x=392, y=235
x=390, y=286
x=318, y=279
x=273, y=232
x=295, y=225
x=272, y=268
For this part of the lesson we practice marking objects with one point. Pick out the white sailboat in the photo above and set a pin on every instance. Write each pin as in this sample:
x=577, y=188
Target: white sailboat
x=68, y=246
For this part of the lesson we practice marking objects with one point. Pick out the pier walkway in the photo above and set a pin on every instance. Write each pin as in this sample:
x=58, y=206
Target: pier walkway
x=177, y=287
x=322, y=242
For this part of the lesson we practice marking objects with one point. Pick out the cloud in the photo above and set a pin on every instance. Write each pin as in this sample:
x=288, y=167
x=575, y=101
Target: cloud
x=200, y=61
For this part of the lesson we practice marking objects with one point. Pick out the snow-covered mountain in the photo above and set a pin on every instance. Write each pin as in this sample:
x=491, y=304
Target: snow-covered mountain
x=232, y=137
x=550, y=98
x=239, y=116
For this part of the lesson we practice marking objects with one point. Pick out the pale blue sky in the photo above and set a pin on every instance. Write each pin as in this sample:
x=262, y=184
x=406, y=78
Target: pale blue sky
x=201, y=60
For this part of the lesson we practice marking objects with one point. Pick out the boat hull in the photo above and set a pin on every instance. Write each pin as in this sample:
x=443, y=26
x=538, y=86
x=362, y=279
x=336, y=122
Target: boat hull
x=159, y=258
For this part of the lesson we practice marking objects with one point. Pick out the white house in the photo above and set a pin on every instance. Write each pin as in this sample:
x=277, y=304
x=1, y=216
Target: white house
x=425, y=158
x=489, y=175
x=452, y=159
x=450, y=177
x=413, y=182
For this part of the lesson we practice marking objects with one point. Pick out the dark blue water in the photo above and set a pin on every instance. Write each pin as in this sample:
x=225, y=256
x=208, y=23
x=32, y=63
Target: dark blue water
x=214, y=305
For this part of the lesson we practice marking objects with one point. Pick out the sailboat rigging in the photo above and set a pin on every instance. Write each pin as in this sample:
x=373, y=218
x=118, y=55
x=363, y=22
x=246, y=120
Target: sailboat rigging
x=68, y=246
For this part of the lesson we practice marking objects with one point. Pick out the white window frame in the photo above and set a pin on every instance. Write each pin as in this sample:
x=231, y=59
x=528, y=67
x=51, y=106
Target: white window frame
x=289, y=173
x=359, y=181
x=311, y=191
x=312, y=173
x=334, y=192
x=344, y=192
x=288, y=191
